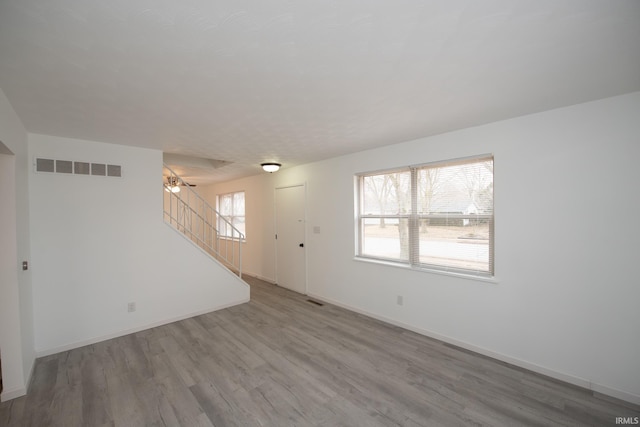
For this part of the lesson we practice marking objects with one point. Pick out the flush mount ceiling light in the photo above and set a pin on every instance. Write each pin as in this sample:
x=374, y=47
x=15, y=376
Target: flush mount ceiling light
x=270, y=167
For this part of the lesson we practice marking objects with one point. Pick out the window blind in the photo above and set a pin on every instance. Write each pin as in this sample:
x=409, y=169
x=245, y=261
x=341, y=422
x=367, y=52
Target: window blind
x=437, y=216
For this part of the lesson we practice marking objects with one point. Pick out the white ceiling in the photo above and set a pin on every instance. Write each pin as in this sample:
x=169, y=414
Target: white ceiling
x=298, y=81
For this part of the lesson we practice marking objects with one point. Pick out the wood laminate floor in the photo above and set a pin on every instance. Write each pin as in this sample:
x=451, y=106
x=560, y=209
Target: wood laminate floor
x=280, y=360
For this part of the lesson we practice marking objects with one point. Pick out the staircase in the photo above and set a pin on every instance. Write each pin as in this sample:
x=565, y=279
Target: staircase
x=186, y=211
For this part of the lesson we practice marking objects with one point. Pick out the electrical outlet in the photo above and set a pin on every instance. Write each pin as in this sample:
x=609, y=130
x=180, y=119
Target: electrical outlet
x=399, y=300
x=131, y=307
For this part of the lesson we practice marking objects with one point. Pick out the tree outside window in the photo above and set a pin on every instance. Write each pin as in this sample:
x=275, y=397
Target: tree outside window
x=436, y=216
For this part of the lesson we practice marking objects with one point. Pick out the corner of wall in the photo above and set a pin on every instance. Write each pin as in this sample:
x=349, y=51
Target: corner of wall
x=17, y=339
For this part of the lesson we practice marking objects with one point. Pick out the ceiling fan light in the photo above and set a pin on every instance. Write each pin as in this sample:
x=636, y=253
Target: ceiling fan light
x=270, y=167
x=172, y=185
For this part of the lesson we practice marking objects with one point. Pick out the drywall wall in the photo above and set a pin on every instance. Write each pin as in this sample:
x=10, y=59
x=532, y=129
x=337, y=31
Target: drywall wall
x=565, y=298
x=10, y=336
x=16, y=309
x=100, y=243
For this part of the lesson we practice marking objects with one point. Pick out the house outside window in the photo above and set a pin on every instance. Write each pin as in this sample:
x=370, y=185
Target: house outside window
x=436, y=216
x=231, y=209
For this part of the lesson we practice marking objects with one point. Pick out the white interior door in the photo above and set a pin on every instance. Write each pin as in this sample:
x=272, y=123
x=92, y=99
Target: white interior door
x=291, y=267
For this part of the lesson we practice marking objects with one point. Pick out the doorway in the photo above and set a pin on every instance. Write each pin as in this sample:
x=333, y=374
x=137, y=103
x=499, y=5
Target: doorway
x=291, y=260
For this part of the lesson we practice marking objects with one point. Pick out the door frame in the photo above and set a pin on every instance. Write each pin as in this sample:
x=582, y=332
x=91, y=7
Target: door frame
x=275, y=227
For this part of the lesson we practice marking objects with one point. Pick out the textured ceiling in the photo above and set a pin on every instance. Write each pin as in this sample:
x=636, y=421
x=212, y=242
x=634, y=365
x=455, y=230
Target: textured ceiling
x=298, y=81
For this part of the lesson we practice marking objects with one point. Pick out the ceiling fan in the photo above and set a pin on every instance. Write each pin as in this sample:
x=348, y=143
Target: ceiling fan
x=174, y=183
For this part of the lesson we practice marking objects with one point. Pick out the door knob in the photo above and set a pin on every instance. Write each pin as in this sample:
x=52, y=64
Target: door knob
x=301, y=245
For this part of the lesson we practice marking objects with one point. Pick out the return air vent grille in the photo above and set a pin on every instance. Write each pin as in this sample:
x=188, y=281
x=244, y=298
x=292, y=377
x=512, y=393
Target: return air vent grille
x=81, y=168
x=45, y=165
x=98, y=169
x=77, y=168
x=64, y=166
x=114, y=170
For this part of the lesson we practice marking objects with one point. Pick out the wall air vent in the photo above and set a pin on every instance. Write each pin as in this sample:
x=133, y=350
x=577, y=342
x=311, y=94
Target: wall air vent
x=45, y=165
x=81, y=168
x=114, y=170
x=77, y=168
x=64, y=166
x=98, y=169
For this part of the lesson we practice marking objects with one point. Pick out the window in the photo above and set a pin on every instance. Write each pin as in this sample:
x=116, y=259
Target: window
x=436, y=216
x=231, y=209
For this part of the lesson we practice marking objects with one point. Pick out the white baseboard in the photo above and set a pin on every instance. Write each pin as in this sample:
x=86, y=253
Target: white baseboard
x=580, y=382
x=20, y=391
x=77, y=344
x=30, y=374
x=12, y=394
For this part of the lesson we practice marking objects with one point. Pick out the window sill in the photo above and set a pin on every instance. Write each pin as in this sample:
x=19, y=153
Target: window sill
x=486, y=279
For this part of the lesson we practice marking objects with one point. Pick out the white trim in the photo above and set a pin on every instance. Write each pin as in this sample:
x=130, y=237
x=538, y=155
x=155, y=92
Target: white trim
x=615, y=393
x=229, y=218
x=13, y=394
x=570, y=379
x=31, y=369
x=275, y=227
x=413, y=216
x=77, y=344
x=406, y=266
x=455, y=162
x=437, y=163
x=20, y=391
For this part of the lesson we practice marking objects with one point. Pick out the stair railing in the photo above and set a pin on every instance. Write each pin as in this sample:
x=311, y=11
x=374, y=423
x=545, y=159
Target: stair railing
x=189, y=213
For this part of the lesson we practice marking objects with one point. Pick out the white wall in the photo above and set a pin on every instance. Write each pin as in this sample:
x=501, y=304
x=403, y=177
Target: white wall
x=99, y=243
x=16, y=310
x=565, y=299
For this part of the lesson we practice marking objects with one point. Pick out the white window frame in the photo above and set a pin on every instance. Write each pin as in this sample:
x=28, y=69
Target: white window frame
x=413, y=218
x=233, y=215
